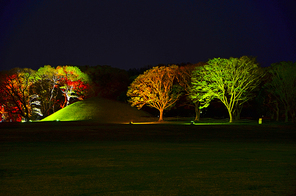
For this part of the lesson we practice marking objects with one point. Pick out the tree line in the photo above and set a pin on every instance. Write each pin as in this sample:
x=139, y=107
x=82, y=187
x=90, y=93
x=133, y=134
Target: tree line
x=233, y=81
x=29, y=95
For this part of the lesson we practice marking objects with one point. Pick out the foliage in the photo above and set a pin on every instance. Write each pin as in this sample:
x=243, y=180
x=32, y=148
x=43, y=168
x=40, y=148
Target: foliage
x=15, y=92
x=282, y=86
x=29, y=94
x=232, y=81
x=155, y=88
x=184, y=79
x=107, y=82
x=72, y=82
x=46, y=87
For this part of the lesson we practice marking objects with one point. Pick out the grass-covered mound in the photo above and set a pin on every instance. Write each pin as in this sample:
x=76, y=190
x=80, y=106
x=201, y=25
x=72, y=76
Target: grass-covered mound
x=99, y=110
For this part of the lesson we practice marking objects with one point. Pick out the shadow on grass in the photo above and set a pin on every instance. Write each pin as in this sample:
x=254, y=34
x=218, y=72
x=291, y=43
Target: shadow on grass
x=170, y=158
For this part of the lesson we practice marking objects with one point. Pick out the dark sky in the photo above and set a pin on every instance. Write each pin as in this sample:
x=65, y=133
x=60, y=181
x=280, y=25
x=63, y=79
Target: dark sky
x=133, y=33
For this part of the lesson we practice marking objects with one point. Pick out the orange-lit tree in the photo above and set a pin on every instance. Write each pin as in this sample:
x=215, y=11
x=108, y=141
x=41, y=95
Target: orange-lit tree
x=232, y=81
x=15, y=86
x=155, y=88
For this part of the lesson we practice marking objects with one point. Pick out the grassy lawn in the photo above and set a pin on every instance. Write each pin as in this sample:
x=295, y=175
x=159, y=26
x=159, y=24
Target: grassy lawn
x=94, y=159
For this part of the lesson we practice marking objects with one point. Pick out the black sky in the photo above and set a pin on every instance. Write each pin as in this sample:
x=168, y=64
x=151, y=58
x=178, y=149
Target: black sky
x=134, y=33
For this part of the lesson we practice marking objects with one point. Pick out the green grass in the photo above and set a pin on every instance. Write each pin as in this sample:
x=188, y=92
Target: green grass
x=86, y=158
x=100, y=110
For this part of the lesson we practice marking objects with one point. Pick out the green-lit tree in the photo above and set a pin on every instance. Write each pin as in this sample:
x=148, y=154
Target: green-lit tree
x=46, y=88
x=232, y=81
x=155, y=88
x=72, y=82
x=282, y=85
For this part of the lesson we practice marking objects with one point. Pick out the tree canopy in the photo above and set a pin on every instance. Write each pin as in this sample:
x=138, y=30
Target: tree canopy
x=184, y=79
x=232, y=81
x=30, y=94
x=107, y=82
x=155, y=88
x=15, y=95
x=72, y=82
x=282, y=85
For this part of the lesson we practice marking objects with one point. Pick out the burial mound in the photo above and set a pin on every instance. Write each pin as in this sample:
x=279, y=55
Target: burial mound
x=99, y=110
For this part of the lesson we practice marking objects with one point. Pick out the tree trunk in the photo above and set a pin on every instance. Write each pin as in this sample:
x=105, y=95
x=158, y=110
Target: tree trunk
x=286, y=116
x=27, y=119
x=277, y=112
x=160, y=115
x=230, y=116
x=237, y=112
x=197, y=112
x=68, y=100
x=292, y=112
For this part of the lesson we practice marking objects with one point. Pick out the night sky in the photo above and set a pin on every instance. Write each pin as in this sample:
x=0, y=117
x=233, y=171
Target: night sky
x=136, y=33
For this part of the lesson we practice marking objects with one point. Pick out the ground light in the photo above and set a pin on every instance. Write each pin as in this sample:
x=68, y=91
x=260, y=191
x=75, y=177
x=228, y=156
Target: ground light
x=191, y=123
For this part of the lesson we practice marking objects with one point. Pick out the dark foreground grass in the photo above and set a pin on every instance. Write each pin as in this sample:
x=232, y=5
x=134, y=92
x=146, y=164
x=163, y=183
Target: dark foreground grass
x=94, y=159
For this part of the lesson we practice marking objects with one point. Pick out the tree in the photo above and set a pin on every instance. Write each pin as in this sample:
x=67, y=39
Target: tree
x=282, y=85
x=46, y=88
x=15, y=86
x=184, y=79
x=73, y=83
x=155, y=88
x=232, y=81
x=32, y=94
x=107, y=81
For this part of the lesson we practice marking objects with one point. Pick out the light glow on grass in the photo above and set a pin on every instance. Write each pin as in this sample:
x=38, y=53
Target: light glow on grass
x=176, y=123
x=99, y=110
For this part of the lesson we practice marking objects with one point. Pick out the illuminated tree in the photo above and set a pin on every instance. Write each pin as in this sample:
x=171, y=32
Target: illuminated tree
x=46, y=87
x=32, y=94
x=282, y=85
x=155, y=88
x=232, y=81
x=73, y=83
x=184, y=79
x=15, y=91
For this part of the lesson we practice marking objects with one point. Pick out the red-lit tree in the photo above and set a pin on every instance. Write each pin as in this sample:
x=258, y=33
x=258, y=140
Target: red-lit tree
x=72, y=82
x=30, y=94
x=15, y=86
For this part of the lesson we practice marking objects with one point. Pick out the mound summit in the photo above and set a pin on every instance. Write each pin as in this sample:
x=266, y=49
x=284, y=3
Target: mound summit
x=99, y=110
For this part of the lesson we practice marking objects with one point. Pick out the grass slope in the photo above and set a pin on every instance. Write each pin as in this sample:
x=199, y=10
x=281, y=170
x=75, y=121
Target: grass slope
x=99, y=110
